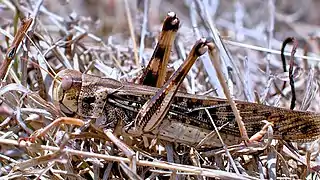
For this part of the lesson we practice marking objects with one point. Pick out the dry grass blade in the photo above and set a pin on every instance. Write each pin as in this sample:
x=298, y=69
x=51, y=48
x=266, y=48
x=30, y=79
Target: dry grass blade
x=311, y=91
x=11, y=52
x=127, y=151
x=130, y=24
x=224, y=145
x=131, y=173
x=272, y=161
x=215, y=59
x=37, y=161
x=14, y=87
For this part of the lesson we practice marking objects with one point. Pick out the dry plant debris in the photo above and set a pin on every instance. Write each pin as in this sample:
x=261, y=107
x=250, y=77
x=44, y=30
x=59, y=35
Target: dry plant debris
x=115, y=39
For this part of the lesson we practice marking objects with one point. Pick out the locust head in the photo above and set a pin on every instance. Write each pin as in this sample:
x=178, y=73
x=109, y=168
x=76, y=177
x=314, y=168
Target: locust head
x=66, y=92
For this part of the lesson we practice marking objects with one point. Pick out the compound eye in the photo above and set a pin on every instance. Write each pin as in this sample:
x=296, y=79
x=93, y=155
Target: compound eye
x=66, y=82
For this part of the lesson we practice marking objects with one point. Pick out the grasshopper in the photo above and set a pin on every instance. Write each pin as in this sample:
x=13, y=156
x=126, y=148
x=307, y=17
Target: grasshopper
x=166, y=113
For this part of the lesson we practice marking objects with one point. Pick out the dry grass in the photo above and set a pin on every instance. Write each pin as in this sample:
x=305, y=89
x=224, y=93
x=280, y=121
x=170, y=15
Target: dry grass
x=97, y=37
